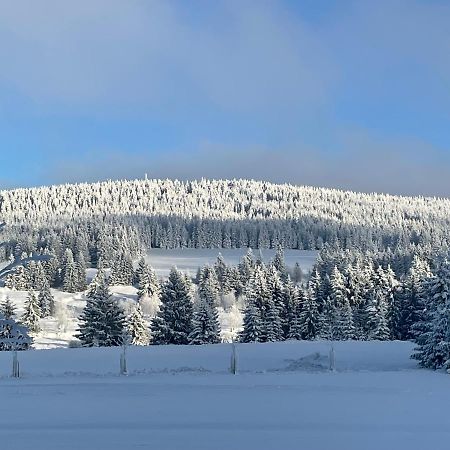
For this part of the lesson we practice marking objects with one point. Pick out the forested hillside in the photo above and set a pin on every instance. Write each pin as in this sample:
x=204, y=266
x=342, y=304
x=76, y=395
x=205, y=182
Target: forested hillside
x=215, y=214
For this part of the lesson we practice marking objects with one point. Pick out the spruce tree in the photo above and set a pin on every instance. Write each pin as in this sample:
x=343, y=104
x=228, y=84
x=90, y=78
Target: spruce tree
x=272, y=322
x=246, y=267
x=410, y=296
x=208, y=287
x=309, y=318
x=46, y=301
x=8, y=309
x=102, y=322
x=253, y=328
x=70, y=274
x=295, y=330
x=433, y=342
x=206, y=326
x=223, y=275
x=32, y=313
x=147, y=282
x=80, y=268
x=13, y=336
x=287, y=313
x=279, y=262
x=137, y=327
x=173, y=323
x=376, y=316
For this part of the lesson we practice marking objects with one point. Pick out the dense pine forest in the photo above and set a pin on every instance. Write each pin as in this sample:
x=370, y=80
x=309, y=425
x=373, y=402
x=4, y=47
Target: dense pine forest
x=381, y=272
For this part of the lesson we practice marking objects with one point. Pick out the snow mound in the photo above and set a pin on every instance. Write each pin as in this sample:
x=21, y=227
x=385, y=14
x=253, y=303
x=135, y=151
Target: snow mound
x=314, y=362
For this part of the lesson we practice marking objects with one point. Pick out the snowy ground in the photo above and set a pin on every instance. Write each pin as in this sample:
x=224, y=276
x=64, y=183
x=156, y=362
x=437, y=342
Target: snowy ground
x=183, y=397
x=189, y=259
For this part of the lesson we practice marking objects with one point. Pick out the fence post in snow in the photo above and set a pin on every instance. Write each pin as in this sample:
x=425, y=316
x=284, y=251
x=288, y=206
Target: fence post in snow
x=234, y=359
x=15, y=366
x=332, y=359
x=123, y=356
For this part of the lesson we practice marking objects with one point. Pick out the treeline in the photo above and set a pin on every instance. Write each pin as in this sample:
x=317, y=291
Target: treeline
x=358, y=299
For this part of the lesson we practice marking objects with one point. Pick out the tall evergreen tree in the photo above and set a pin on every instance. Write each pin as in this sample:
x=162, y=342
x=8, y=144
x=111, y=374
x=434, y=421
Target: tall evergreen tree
x=433, y=343
x=309, y=317
x=253, y=327
x=173, y=323
x=46, y=301
x=8, y=309
x=295, y=324
x=208, y=286
x=137, y=327
x=32, y=313
x=411, y=297
x=206, y=326
x=279, y=262
x=102, y=322
x=70, y=274
x=13, y=336
x=376, y=315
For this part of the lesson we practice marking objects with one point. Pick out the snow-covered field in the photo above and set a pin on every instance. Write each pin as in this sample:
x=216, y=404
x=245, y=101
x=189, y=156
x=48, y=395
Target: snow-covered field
x=189, y=259
x=284, y=397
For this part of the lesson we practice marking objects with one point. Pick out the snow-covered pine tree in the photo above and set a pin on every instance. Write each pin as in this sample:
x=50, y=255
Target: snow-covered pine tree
x=246, y=267
x=342, y=316
x=275, y=313
x=279, y=262
x=295, y=324
x=13, y=336
x=272, y=322
x=345, y=324
x=288, y=312
x=376, y=316
x=223, y=275
x=253, y=327
x=102, y=322
x=80, y=268
x=141, y=271
x=69, y=274
x=46, y=301
x=309, y=317
x=7, y=308
x=32, y=313
x=205, y=323
x=149, y=288
x=433, y=343
x=208, y=286
x=410, y=296
x=173, y=323
x=137, y=327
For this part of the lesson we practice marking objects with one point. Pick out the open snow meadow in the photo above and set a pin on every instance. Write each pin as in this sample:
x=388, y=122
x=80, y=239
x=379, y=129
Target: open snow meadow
x=283, y=397
x=188, y=260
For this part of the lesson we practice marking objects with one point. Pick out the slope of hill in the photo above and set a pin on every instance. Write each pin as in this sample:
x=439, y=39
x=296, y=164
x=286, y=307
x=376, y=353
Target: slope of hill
x=219, y=214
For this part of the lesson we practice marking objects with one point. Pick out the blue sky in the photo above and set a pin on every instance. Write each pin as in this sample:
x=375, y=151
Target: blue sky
x=348, y=94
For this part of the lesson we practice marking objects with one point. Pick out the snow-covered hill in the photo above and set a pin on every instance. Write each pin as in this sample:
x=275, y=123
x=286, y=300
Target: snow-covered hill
x=215, y=214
